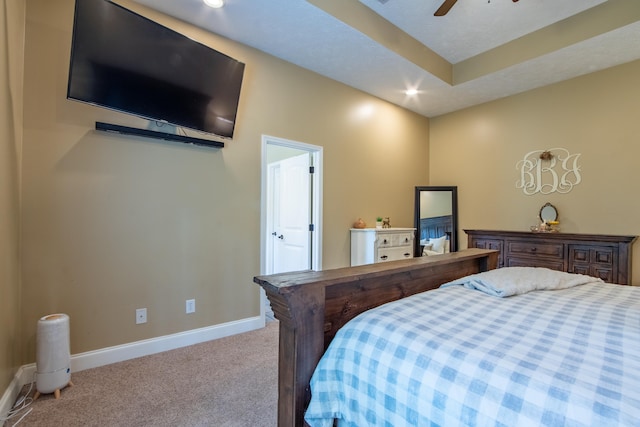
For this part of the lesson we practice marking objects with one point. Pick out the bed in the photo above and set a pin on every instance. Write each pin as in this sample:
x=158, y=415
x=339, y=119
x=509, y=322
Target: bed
x=458, y=356
x=430, y=230
x=312, y=306
x=526, y=352
x=435, y=226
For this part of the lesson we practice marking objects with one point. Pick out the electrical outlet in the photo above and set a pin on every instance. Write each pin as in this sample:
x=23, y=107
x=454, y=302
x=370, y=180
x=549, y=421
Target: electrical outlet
x=191, y=306
x=141, y=315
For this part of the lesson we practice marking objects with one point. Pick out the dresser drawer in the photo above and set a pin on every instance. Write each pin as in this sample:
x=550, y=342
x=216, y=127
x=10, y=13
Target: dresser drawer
x=535, y=249
x=390, y=240
x=384, y=241
x=394, y=254
x=402, y=239
x=535, y=262
x=489, y=244
x=595, y=255
x=597, y=261
x=604, y=273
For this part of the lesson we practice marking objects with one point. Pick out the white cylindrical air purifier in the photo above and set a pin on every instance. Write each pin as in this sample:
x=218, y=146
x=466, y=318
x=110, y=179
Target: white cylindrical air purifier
x=53, y=357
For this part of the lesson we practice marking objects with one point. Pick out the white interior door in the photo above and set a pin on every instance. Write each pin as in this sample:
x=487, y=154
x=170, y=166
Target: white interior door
x=291, y=201
x=291, y=212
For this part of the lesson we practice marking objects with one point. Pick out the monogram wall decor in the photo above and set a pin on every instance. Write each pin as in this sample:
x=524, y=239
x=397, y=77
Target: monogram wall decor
x=548, y=171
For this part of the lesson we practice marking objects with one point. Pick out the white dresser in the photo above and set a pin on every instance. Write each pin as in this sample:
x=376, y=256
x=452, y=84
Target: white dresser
x=370, y=245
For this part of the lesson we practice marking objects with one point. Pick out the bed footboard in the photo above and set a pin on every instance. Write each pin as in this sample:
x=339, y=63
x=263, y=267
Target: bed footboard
x=312, y=305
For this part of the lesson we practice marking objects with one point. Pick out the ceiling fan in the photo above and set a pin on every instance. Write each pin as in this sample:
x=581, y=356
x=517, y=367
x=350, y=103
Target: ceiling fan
x=448, y=4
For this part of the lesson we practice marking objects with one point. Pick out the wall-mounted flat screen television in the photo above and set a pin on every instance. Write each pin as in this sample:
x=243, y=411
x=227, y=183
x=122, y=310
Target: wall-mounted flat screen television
x=126, y=62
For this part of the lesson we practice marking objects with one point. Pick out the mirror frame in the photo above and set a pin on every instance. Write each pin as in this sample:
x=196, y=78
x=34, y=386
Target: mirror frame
x=548, y=206
x=453, y=242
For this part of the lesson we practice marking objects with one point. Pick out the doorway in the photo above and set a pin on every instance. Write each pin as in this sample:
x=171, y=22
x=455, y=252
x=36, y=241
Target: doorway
x=291, y=207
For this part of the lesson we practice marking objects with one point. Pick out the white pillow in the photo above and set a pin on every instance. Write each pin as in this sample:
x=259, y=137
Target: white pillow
x=508, y=281
x=437, y=245
x=426, y=249
x=427, y=252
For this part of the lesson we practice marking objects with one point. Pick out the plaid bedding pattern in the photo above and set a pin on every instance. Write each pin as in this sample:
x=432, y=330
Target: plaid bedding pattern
x=458, y=357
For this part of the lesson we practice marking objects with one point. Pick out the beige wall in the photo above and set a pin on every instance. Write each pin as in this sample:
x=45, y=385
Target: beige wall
x=113, y=223
x=11, y=42
x=595, y=115
x=435, y=203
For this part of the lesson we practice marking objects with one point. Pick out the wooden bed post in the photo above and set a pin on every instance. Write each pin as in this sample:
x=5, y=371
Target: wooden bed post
x=300, y=350
x=312, y=305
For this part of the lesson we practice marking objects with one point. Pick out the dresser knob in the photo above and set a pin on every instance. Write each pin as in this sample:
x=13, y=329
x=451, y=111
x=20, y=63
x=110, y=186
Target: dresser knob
x=384, y=257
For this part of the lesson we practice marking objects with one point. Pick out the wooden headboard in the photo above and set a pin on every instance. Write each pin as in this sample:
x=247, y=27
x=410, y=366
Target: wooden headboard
x=435, y=227
x=312, y=305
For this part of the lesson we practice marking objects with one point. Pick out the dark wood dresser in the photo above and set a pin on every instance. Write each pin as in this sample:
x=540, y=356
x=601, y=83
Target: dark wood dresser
x=598, y=255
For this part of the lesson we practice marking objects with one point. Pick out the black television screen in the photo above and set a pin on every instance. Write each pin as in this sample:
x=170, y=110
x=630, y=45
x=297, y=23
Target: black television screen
x=126, y=62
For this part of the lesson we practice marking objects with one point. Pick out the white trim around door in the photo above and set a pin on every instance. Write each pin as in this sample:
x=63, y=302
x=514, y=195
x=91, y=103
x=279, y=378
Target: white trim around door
x=270, y=145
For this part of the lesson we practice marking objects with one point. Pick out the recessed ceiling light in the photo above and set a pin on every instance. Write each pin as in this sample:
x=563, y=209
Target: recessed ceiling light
x=214, y=3
x=411, y=92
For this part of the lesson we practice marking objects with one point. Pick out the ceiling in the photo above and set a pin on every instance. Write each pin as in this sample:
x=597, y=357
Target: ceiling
x=480, y=51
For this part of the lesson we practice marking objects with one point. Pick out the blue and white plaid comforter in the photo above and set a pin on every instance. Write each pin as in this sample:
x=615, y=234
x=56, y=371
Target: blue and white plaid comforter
x=456, y=356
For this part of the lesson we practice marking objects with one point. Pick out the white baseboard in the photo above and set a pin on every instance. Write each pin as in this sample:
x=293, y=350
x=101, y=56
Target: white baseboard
x=119, y=353
x=11, y=393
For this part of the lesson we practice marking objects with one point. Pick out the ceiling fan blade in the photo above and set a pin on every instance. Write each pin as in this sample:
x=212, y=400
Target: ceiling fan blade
x=442, y=10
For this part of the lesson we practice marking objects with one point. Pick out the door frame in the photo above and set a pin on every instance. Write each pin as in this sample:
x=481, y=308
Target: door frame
x=316, y=203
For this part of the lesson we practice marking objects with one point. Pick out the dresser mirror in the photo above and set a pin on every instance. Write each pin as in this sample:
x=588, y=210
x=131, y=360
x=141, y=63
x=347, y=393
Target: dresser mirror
x=436, y=215
x=548, y=213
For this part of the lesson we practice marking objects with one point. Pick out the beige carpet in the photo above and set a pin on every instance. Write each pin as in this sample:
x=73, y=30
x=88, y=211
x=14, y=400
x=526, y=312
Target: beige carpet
x=230, y=382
